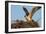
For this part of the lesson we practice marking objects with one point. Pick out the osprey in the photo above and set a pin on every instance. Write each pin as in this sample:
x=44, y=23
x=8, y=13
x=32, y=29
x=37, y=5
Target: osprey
x=29, y=15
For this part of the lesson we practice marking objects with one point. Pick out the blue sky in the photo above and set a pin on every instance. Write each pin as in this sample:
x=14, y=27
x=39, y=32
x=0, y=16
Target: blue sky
x=17, y=12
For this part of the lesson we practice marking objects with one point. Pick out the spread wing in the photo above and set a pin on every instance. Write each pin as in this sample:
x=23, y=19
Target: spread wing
x=26, y=11
x=35, y=9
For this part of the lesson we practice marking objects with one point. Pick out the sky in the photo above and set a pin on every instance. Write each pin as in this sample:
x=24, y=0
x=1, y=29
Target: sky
x=17, y=12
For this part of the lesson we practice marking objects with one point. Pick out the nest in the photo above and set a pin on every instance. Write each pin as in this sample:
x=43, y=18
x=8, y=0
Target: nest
x=23, y=24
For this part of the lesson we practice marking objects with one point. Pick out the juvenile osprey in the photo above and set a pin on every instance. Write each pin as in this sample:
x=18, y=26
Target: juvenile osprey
x=30, y=14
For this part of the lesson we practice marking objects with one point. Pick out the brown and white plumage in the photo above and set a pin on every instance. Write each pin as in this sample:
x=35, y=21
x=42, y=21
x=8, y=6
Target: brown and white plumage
x=30, y=14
